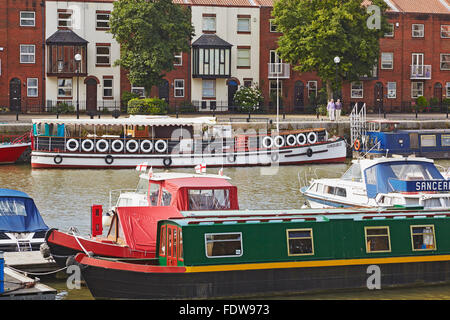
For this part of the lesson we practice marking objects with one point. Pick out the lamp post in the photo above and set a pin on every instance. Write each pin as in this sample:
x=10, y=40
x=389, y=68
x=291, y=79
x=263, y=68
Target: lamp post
x=78, y=60
x=337, y=60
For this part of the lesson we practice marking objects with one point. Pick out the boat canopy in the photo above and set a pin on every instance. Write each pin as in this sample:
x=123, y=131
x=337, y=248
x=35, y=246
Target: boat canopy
x=202, y=193
x=379, y=177
x=18, y=213
x=133, y=120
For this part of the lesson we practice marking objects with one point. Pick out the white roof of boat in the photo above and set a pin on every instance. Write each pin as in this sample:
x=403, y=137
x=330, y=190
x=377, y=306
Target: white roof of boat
x=146, y=120
x=160, y=176
x=365, y=163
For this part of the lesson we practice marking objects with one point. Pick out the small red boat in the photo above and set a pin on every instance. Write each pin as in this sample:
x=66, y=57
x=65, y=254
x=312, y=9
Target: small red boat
x=132, y=229
x=12, y=147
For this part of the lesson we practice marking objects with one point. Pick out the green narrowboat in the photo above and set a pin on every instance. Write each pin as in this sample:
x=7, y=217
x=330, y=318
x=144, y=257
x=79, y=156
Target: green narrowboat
x=251, y=256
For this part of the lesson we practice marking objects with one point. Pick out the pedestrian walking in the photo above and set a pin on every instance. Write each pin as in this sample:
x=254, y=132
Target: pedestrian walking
x=331, y=109
x=338, y=107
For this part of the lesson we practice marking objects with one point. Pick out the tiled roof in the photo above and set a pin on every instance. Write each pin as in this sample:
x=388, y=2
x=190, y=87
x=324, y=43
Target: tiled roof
x=65, y=37
x=423, y=6
x=210, y=40
x=225, y=3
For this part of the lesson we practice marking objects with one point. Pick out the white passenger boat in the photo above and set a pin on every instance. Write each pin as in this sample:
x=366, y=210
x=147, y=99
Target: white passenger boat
x=164, y=142
x=382, y=182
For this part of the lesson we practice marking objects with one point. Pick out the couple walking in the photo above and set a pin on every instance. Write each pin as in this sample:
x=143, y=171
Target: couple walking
x=334, y=109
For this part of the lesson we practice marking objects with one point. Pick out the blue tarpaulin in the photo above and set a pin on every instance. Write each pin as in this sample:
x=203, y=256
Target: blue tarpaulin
x=18, y=213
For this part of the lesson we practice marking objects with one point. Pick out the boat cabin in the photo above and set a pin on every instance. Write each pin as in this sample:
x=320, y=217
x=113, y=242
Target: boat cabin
x=384, y=182
x=384, y=137
x=233, y=241
x=21, y=225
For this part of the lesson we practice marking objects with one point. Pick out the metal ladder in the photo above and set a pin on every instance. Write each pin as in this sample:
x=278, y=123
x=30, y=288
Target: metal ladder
x=23, y=245
x=358, y=124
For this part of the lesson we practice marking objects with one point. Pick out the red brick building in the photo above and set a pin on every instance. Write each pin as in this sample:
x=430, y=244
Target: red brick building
x=21, y=55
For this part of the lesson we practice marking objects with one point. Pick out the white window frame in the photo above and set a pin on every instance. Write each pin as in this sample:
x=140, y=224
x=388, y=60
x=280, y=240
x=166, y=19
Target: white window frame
x=387, y=60
x=178, y=57
x=108, y=87
x=176, y=83
x=243, y=61
x=392, y=33
x=26, y=54
x=224, y=233
x=392, y=90
x=65, y=87
x=447, y=89
x=446, y=61
x=309, y=87
x=32, y=87
x=418, y=33
x=97, y=55
x=357, y=93
x=138, y=90
x=272, y=26
x=248, y=29
x=415, y=90
x=28, y=19
x=210, y=91
x=68, y=21
x=97, y=20
x=445, y=31
x=209, y=24
x=273, y=88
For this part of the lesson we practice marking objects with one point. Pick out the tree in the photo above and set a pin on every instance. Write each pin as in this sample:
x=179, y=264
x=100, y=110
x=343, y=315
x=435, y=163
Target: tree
x=150, y=33
x=316, y=31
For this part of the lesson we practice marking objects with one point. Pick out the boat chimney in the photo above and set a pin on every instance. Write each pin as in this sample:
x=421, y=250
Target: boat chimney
x=96, y=220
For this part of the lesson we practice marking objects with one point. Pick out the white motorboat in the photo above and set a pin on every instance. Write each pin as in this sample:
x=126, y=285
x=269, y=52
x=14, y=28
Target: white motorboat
x=382, y=182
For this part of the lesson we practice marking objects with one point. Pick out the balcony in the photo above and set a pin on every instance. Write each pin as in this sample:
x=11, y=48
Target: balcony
x=211, y=57
x=420, y=72
x=279, y=70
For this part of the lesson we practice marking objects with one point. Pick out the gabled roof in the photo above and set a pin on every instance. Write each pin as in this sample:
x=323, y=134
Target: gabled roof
x=65, y=36
x=210, y=40
x=422, y=6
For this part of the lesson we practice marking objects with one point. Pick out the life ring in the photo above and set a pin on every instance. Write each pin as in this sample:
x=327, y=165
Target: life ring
x=132, y=149
x=167, y=162
x=158, y=148
x=291, y=140
x=109, y=159
x=57, y=159
x=72, y=141
x=89, y=148
x=265, y=144
x=309, y=152
x=146, y=149
x=357, y=145
x=114, y=148
x=105, y=145
x=301, y=139
x=278, y=141
x=312, y=137
x=231, y=157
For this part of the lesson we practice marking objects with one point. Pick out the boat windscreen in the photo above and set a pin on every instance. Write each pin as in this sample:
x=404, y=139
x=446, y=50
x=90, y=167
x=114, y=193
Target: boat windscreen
x=353, y=173
x=411, y=172
x=209, y=199
x=19, y=214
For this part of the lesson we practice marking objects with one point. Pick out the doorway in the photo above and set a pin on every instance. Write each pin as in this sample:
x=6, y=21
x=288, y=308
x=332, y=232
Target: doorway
x=438, y=94
x=299, y=97
x=15, y=95
x=91, y=95
x=163, y=91
x=378, y=99
x=232, y=88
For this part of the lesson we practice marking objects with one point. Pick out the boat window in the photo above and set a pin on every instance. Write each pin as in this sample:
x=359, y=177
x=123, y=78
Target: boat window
x=411, y=172
x=142, y=186
x=341, y=192
x=180, y=244
x=432, y=203
x=12, y=207
x=329, y=189
x=445, y=140
x=162, y=242
x=320, y=188
x=423, y=238
x=154, y=194
x=446, y=202
x=428, y=140
x=166, y=197
x=300, y=242
x=353, y=173
x=209, y=199
x=313, y=187
x=175, y=243
x=371, y=177
x=223, y=244
x=377, y=239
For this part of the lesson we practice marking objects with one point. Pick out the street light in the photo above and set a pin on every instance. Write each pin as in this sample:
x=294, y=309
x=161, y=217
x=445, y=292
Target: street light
x=336, y=61
x=78, y=60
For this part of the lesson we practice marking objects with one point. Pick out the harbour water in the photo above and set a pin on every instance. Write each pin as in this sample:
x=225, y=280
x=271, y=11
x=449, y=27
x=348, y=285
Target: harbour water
x=64, y=197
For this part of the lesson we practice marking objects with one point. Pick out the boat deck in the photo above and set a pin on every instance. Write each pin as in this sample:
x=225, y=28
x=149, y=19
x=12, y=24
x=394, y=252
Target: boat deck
x=19, y=287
